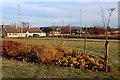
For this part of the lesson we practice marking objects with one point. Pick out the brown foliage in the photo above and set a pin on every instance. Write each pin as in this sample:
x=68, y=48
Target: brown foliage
x=46, y=54
x=60, y=56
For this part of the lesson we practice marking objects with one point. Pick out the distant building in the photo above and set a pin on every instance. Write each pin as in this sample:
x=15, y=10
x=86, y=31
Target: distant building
x=114, y=33
x=54, y=33
x=13, y=31
x=50, y=32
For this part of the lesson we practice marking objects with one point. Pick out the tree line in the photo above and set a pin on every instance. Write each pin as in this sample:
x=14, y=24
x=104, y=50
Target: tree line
x=98, y=30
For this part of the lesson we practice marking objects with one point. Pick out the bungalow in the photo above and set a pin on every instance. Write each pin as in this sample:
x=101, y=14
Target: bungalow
x=13, y=31
x=10, y=31
x=34, y=32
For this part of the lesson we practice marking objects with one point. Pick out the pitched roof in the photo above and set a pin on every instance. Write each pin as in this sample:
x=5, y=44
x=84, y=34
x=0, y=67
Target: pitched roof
x=34, y=30
x=11, y=29
x=30, y=30
x=24, y=30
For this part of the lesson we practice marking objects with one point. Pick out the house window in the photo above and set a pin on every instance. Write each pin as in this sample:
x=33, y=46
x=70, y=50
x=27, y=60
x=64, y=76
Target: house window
x=15, y=34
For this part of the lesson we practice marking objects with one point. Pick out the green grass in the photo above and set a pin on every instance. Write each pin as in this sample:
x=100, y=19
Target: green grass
x=19, y=69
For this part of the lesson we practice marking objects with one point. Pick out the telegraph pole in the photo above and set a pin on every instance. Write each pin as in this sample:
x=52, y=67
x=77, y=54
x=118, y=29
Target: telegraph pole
x=20, y=18
x=80, y=23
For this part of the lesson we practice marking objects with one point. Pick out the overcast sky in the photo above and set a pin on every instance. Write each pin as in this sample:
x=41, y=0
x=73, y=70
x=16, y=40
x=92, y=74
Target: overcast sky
x=45, y=13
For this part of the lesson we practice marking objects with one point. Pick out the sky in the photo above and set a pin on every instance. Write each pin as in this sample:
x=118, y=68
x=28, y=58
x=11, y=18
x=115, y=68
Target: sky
x=46, y=13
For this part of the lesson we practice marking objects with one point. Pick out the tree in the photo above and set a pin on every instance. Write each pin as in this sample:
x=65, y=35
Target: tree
x=53, y=28
x=106, y=23
x=65, y=29
x=96, y=30
x=25, y=24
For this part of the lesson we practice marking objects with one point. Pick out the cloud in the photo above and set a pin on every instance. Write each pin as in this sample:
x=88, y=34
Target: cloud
x=60, y=0
x=45, y=13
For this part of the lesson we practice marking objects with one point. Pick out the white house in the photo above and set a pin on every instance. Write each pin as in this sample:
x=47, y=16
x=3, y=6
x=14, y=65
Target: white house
x=34, y=31
x=13, y=31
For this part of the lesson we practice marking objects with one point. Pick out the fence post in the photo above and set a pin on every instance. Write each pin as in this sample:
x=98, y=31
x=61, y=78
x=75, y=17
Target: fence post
x=85, y=44
x=106, y=55
x=53, y=34
x=85, y=40
x=62, y=41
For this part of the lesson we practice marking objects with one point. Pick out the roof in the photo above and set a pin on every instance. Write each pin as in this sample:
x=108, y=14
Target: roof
x=11, y=29
x=30, y=30
x=34, y=30
x=24, y=30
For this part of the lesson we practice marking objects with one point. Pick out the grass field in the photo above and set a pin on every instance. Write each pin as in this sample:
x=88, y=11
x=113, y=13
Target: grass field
x=19, y=69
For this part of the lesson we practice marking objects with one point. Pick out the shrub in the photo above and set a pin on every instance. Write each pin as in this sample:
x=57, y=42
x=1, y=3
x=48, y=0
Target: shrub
x=16, y=51
x=65, y=50
x=60, y=56
x=81, y=61
x=47, y=54
x=9, y=48
x=11, y=43
x=19, y=51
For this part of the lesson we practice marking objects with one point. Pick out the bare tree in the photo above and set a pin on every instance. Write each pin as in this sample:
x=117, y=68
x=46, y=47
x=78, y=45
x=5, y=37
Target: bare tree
x=25, y=24
x=106, y=23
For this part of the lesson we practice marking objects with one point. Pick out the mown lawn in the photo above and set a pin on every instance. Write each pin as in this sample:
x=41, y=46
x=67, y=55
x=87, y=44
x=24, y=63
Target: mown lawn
x=17, y=69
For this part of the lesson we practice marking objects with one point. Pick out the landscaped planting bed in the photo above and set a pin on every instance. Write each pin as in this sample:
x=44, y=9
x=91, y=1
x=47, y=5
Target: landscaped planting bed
x=49, y=55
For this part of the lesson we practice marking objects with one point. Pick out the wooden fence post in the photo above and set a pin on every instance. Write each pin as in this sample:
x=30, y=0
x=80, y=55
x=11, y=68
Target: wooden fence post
x=85, y=40
x=106, y=55
x=53, y=35
x=62, y=40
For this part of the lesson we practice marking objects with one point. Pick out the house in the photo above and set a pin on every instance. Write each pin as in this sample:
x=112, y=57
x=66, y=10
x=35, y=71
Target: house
x=54, y=33
x=114, y=33
x=9, y=31
x=34, y=32
x=14, y=31
x=50, y=32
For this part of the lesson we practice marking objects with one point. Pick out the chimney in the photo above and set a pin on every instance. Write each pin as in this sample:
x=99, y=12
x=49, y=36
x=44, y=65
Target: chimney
x=28, y=27
x=16, y=26
x=3, y=26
